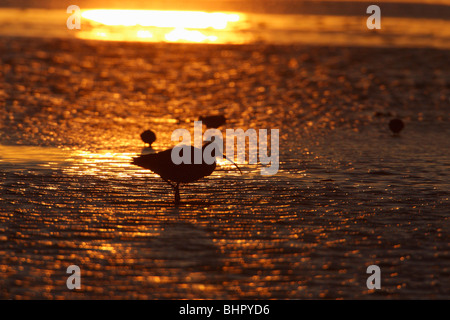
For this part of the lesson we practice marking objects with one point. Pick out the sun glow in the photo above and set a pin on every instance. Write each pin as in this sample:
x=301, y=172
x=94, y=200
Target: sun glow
x=162, y=19
x=188, y=35
x=157, y=26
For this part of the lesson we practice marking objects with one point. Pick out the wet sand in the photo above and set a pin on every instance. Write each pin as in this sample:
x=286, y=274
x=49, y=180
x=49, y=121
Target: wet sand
x=347, y=195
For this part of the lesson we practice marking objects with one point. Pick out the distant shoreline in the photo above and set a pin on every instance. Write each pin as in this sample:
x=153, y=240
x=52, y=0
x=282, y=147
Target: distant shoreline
x=252, y=28
x=437, y=9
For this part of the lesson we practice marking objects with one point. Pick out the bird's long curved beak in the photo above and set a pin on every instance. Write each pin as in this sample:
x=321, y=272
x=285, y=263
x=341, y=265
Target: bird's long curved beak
x=233, y=163
x=212, y=141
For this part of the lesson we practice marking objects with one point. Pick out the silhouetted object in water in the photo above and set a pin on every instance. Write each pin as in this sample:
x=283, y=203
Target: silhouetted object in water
x=213, y=121
x=382, y=114
x=148, y=136
x=161, y=163
x=396, y=125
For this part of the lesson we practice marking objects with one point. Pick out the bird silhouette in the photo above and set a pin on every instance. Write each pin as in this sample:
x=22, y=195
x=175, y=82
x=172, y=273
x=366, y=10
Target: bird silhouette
x=148, y=136
x=213, y=121
x=162, y=164
x=396, y=125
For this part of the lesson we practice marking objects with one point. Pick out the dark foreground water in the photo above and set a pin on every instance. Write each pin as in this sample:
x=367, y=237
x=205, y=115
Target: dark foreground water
x=347, y=195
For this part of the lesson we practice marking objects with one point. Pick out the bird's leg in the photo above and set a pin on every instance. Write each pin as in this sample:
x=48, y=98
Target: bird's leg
x=177, y=194
x=176, y=189
x=169, y=183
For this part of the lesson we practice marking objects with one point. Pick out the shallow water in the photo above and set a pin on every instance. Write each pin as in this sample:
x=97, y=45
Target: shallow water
x=347, y=195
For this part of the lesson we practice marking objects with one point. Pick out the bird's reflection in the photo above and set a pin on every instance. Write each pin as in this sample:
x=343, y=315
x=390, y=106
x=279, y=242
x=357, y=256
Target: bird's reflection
x=183, y=253
x=188, y=242
x=147, y=150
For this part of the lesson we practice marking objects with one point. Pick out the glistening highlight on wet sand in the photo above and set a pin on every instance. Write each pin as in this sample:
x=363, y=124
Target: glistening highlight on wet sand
x=347, y=195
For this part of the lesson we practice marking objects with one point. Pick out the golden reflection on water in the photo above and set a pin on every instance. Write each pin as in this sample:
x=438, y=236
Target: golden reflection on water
x=240, y=28
x=74, y=162
x=228, y=27
x=31, y=154
x=162, y=19
x=160, y=26
x=106, y=163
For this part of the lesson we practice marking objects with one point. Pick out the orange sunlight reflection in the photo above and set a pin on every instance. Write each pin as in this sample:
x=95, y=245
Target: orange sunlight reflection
x=157, y=26
x=101, y=164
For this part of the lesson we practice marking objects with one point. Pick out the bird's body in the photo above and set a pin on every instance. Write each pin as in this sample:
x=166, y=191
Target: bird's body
x=213, y=121
x=162, y=164
x=396, y=125
x=148, y=136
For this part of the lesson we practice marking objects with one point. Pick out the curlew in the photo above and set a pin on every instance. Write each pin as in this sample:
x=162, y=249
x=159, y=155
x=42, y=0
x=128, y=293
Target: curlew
x=162, y=164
